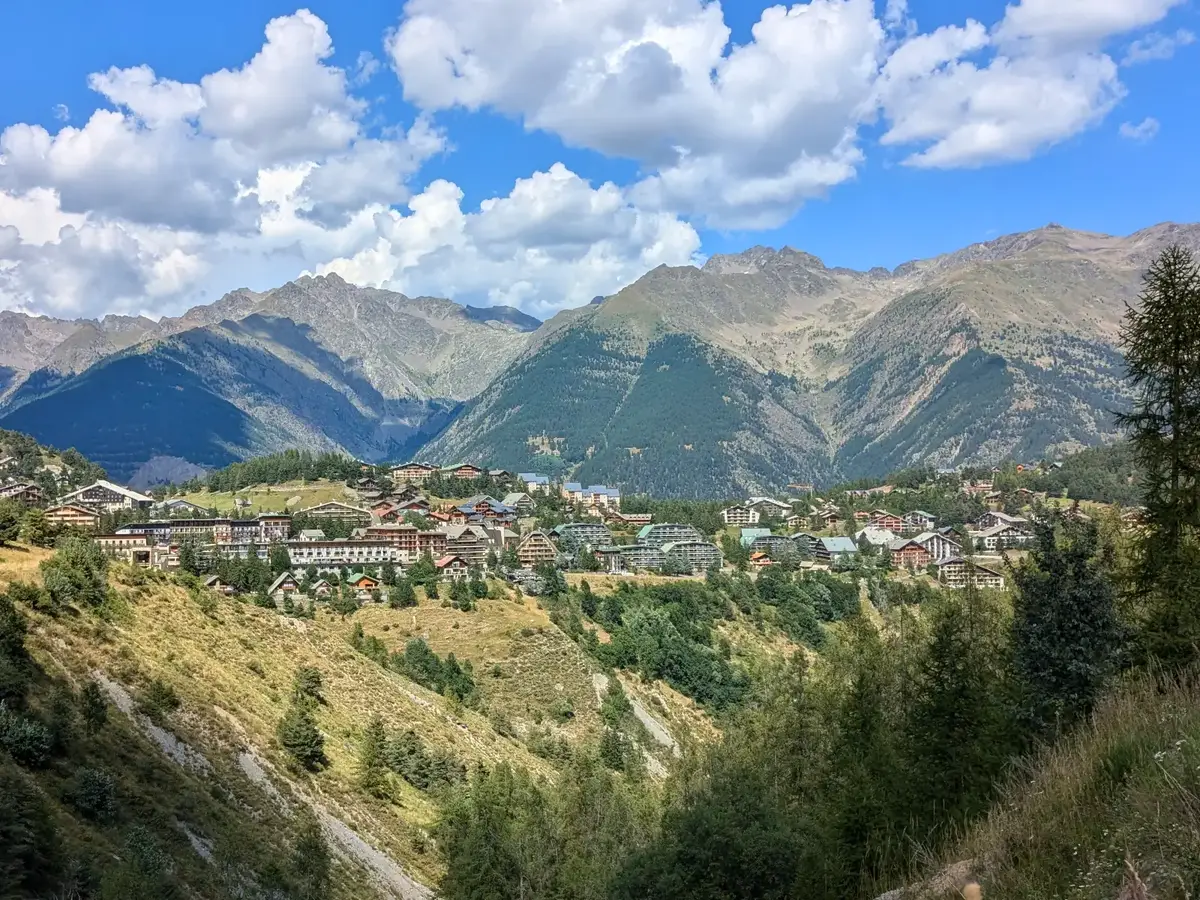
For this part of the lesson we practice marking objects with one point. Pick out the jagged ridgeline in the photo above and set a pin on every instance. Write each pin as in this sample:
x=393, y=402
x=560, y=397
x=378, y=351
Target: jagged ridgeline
x=757, y=370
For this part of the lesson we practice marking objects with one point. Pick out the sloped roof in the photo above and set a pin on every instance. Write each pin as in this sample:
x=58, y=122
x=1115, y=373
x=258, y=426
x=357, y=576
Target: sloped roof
x=116, y=488
x=839, y=545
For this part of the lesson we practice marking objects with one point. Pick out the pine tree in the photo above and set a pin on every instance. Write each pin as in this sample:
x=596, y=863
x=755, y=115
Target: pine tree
x=279, y=559
x=1161, y=341
x=299, y=736
x=402, y=595
x=372, y=759
x=387, y=574
x=957, y=730
x=1066, y=632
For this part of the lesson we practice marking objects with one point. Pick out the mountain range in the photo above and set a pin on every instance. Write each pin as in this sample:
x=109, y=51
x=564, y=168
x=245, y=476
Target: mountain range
x=756, y=370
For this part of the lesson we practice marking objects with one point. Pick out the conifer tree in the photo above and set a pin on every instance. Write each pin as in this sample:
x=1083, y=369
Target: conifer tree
x=1161, y=341
x=299, y=736
x=1066, y=633
x=372, y=759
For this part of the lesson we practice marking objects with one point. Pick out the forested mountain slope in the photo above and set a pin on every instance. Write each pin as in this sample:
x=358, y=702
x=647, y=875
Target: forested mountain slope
x=759, y=369
x=1005, y=349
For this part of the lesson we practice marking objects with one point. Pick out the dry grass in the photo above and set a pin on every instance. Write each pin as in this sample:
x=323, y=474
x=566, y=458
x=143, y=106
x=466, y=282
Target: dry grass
x=274, y=498
x=233, y=667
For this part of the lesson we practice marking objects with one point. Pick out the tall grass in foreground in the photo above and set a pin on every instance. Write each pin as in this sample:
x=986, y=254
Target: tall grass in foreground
x=1115, y=803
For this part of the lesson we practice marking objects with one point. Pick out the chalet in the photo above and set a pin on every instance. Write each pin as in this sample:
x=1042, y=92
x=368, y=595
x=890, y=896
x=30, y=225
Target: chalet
x=740, y=515
x=463, y=471
x=419, y=505
x=956, y=572
x=906, y=553
x=992, y=519
x=829, y=519
x=469, y=542
x=214, y=582
x=692, y=556
x=873, y=536
x=453, y=567
x=24, y=493
x=801, y=487
x=180, y=507
x=939, y=546
x=534, y=483
x=366, y=486
x=794, y=521
x=666, y=533
x=310, y=534
x=769, y=507
x=383, y=510
x=363, y=585
x=619, y=518
x=1001, y=537
x=104, y=496
x=322, y=589
x=520, y=501
x=861, y=516
x=335, y=509
x=572, y=535
x=484, y=508
x=761, y=560
x=834, y=550
x=284, y=586
x=414, y=472
x=73, y=515
x=500, y=475
x=881, y=518
x=918, y=521
x=1075, y=514
x=536, y=548
x=976, y=488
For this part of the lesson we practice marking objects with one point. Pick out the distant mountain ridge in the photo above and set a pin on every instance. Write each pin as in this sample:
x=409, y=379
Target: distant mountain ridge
x=317, y=363
x=757, y=369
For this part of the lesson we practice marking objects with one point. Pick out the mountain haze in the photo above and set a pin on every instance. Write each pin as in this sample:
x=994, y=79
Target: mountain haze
x=755, y=370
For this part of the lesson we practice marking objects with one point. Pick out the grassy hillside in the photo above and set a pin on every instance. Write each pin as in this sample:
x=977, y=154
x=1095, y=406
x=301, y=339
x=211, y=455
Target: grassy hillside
x=232, y=664
x=273, y=497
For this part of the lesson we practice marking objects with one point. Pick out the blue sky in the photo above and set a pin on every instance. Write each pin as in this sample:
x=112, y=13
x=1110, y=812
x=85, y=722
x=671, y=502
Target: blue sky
x=866, y=134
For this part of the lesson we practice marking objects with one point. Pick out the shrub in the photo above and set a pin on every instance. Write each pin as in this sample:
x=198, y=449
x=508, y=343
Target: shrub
x=307, y=684
x=28, y=741
x=158, y=701
x=94, y=793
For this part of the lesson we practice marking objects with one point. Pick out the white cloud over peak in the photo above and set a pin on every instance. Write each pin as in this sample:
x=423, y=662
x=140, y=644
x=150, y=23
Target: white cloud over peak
x=172, y=192
x=181, y=191
x=554, y=241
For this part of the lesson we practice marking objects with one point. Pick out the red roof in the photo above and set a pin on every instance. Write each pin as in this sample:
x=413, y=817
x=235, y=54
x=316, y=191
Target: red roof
x=449, y=560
